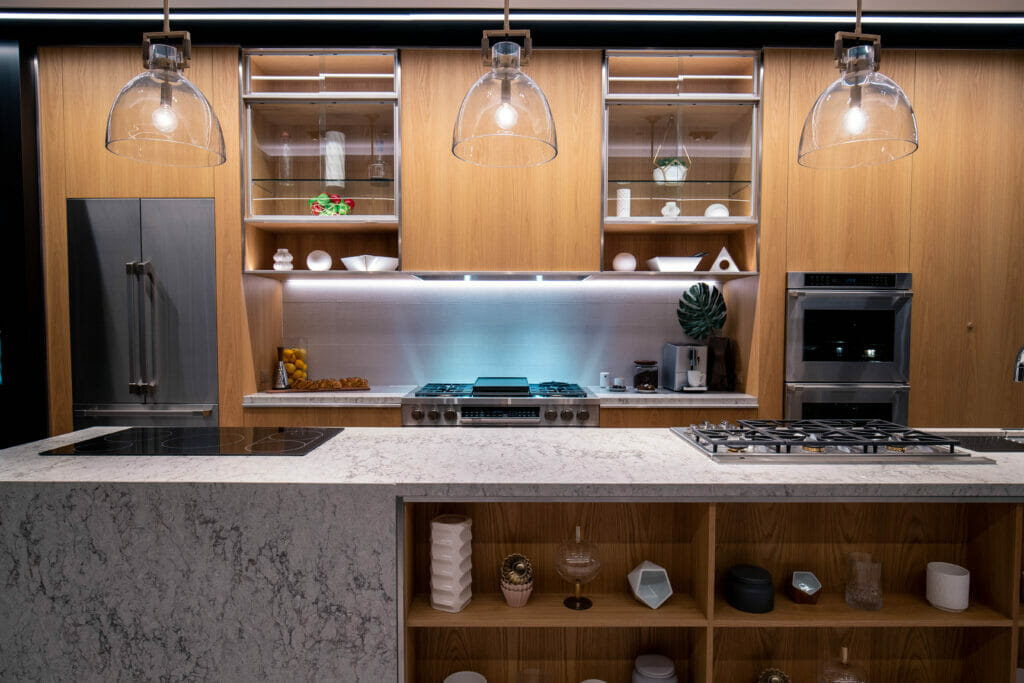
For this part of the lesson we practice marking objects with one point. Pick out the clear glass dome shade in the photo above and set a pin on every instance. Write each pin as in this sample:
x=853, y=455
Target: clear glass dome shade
x=862, y=119
x=505, y=120
x=160, y=117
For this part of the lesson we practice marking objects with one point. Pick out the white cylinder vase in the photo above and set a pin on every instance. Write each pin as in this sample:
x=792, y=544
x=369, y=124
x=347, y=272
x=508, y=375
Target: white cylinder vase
x=451, y=562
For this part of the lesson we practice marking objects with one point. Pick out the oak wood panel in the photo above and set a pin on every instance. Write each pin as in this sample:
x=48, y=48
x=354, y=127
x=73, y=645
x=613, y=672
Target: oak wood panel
x=564, y=655
x=369, y=416
x=967, y=240
x=236, y=375
x=671, y=417
x=459, y=216
x=765, y=371
x=847, y=219
x=261, y=245
x=610, y=610
x=890, y=655
x=264, y=315
x=54, y=237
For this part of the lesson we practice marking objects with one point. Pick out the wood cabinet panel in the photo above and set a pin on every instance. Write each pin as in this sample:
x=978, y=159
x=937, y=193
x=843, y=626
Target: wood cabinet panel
x=458, y=216
x=967, y=240
x=371, y=416
x=849, y=219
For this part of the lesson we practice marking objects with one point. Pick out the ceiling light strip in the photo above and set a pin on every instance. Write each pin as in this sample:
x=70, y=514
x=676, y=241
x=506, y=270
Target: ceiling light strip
x=420, y=17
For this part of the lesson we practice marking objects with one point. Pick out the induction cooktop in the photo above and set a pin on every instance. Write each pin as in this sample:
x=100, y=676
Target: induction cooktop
x=174, y=441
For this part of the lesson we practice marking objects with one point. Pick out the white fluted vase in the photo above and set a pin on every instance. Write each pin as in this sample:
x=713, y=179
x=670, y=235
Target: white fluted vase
x=451, y=562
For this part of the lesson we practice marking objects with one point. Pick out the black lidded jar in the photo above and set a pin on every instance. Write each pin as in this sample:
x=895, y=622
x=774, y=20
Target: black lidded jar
x=749, y=589
x=645, y=375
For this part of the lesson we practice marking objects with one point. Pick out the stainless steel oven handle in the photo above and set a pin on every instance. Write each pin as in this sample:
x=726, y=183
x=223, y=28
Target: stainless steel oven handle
x=895, y=294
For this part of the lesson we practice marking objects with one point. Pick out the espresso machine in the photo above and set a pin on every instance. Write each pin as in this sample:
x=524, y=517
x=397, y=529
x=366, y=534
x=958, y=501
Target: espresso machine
x=684, y=367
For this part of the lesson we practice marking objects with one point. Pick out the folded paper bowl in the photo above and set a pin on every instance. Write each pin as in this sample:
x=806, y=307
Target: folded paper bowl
x=674, y=264
x=368, y=262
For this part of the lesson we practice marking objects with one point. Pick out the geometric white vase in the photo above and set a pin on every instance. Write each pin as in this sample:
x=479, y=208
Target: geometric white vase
x=451, y=562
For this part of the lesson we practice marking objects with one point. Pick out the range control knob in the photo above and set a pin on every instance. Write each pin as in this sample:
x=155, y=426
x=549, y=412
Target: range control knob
x=550, y=414
x=566, y=414
x=416, y=414
x=450, y=414
x=583, y=415
x=433, y=414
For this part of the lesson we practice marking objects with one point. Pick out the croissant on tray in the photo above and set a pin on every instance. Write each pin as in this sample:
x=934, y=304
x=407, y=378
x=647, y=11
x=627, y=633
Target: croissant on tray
x=329, y=384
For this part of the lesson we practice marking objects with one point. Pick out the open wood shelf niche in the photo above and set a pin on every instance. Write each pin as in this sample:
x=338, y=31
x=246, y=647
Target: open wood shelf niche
x=907, y=640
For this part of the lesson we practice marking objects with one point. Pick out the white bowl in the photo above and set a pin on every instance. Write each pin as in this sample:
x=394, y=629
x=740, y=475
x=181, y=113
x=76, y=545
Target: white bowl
x=370, y=262
x=318, y=260
x=650, y=584
x=674, y=264
x=716, y=211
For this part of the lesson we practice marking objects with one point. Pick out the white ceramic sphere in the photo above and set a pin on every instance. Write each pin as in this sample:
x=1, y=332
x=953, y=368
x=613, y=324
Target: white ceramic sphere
x=624, y=261
x=318, y=260
x=716, y=211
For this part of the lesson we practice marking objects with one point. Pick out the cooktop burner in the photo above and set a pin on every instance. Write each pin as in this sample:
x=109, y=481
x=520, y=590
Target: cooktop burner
x=502, y=386
x=817, y=441
x=203, y=441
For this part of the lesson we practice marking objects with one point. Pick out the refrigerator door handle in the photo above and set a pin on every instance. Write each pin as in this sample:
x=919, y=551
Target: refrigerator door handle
x=147, y=270
x=133, y=326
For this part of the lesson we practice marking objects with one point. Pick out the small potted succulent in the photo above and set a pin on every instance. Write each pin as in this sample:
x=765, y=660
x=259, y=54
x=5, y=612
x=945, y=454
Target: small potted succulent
x=330, y=205
x=516, y=579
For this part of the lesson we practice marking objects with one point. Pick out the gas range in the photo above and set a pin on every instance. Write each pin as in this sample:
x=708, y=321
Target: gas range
x=500, y=402
x=830, y=441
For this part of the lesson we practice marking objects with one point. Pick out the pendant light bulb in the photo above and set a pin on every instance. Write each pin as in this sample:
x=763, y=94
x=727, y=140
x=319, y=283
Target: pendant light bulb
x=164, y=118
x=855, y=121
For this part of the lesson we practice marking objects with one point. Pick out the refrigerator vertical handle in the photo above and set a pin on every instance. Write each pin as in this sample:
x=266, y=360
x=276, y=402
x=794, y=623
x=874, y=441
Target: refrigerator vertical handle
x=149, y=272
x=133, y=326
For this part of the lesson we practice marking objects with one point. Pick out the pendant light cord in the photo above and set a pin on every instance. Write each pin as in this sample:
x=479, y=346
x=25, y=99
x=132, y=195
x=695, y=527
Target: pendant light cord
x=858, y=15
x=167, y=17
x=506, y=14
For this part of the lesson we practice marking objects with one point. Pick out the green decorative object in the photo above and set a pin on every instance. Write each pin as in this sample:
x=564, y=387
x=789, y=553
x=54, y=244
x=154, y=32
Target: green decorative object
x=701, y=311
x=330, y=205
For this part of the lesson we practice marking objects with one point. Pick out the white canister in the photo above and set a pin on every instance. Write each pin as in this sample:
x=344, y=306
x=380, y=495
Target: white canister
x=948, y=586
x=654, y=669
x=622, y=198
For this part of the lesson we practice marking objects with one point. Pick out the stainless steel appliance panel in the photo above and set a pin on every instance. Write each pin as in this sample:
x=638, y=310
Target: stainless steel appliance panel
x=847, y=335
x=103, y=236
x=181, y=320
x=847, y=401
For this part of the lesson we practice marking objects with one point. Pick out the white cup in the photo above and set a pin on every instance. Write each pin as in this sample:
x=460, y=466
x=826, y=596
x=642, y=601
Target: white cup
x=605, y=379
x=694, y=378
x=948, y=586
x=620, y=381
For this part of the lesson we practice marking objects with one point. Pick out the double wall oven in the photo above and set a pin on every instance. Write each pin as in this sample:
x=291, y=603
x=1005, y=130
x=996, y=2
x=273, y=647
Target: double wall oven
x=848, y=346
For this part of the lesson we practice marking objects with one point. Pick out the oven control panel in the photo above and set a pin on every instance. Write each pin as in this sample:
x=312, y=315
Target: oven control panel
x=431, y=414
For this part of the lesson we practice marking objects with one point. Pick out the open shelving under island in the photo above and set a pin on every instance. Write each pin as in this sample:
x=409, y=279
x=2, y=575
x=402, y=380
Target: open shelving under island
x=318, y=566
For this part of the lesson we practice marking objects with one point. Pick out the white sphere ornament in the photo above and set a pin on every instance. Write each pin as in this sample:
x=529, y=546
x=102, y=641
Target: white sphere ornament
x=318, y=260
x=624, y=261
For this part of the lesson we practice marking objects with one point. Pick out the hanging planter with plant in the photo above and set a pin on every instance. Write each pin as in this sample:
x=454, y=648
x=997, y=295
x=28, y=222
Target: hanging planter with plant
x=670, y=169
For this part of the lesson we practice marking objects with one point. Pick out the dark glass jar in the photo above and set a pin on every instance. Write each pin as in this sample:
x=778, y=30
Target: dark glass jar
x=750, y=589
x=645, y=375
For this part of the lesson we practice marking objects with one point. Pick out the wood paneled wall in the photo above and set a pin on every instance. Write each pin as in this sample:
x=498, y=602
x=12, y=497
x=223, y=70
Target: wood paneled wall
x=459, y=216
x=76, y=88
x=951, y=214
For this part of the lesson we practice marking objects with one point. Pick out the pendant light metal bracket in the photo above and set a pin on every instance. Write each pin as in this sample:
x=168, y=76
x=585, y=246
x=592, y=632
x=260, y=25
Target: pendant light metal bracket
x=846, y=40
x=177, y=39
x=486, y=43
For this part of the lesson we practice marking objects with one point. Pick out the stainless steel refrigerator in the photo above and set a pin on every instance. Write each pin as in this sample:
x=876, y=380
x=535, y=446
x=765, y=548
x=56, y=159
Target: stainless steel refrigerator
x=142, y=289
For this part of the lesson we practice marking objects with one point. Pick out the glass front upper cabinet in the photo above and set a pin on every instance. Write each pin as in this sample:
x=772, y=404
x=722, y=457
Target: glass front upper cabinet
x=322, y=124
x=681, y=139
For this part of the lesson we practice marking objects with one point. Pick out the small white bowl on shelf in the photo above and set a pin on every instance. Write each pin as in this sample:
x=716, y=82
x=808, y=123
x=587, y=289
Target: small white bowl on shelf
x=367, y=262
x=674, y=264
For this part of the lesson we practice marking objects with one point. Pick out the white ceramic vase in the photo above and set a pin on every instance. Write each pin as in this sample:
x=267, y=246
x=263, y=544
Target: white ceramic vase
x=283, y=259
x=451, y=562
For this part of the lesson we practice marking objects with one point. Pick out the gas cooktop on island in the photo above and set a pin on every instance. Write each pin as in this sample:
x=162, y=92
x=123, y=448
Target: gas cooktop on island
x=824, y=442
x=500, y=401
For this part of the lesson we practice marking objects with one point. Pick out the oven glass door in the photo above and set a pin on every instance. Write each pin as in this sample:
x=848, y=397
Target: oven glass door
x=847, y=336
x=847, y=401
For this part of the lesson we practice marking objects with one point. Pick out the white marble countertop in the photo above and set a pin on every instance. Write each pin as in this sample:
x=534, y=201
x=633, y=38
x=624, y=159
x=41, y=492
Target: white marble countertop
x=391, y=396
x=499, y=463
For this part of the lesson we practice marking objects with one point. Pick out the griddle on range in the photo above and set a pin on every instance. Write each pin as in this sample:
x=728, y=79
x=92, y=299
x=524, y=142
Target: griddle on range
x=178, y=441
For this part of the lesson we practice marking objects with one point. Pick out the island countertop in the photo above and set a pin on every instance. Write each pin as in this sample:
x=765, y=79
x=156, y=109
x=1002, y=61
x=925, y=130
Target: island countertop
x=503, y=463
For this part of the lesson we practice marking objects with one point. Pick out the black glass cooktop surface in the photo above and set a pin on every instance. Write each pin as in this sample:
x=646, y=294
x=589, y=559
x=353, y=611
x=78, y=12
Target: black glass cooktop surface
x=203, y=441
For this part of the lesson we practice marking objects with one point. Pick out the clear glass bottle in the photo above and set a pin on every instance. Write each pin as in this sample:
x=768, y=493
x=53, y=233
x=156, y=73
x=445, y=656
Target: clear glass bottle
x=285, y=172
x=842, y=670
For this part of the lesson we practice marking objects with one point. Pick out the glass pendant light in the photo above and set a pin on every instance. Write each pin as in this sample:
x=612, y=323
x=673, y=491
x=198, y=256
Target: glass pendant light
x=862, y=119
x=159, y=116
x=505, y=120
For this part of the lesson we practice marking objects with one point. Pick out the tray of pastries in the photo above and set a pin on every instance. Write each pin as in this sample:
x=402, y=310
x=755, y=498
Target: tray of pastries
x=342, y=384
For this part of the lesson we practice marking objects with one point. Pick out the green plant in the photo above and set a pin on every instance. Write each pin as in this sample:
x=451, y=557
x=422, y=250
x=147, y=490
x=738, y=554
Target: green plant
x=701, y=311
x=662, y=162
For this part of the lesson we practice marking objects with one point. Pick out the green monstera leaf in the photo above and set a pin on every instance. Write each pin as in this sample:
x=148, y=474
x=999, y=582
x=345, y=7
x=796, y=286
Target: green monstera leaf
x=701, y=311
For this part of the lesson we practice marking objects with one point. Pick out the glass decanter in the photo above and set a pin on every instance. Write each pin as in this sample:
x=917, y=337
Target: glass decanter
x=842, y=670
